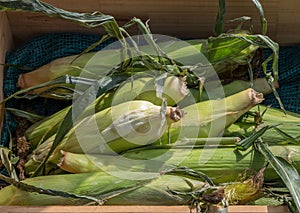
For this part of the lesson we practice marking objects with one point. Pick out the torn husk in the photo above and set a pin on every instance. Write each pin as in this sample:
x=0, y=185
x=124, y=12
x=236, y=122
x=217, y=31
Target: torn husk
x=244, y=192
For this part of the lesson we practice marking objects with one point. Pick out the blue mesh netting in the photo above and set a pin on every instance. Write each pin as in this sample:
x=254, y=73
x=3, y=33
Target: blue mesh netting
x=289, y=79
x=44, y=49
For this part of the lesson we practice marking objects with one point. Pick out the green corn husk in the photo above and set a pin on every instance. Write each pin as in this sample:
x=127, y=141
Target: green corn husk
x=96, y=185
x=222, y=164
x=173, y=91
x=135, y=120
x=44, y=129
x=75, y=65
x=86, y=66
x=211, y=118
x=41, y=151
x=108, y=131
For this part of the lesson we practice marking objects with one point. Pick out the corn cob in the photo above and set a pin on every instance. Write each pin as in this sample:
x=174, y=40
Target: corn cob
x=222, y=164
x=211, y=118
x=174, y=90
x=118, y=128
x=96, y=185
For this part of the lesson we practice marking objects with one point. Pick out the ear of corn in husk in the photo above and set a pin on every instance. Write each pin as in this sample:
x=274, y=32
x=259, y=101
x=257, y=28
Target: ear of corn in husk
x=89, y=65
x=222, y=164
x=210, y=118
x=96, y=185
x=93, y=64
x=129, y=120
x=113, y=130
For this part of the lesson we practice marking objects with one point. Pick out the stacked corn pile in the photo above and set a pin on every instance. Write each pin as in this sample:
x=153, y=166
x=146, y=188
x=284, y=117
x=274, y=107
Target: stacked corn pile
x=163, y=123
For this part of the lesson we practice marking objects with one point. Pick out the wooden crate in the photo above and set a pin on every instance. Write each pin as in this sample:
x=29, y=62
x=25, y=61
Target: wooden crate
x=135, y=209
x=183, y=19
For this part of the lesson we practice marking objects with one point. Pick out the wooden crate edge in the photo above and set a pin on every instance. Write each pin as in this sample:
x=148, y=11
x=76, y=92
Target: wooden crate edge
x=134, y=209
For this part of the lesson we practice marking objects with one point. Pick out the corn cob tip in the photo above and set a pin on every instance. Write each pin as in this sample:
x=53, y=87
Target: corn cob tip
x=237, y=139
x=255, y=97
x=174, y=114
